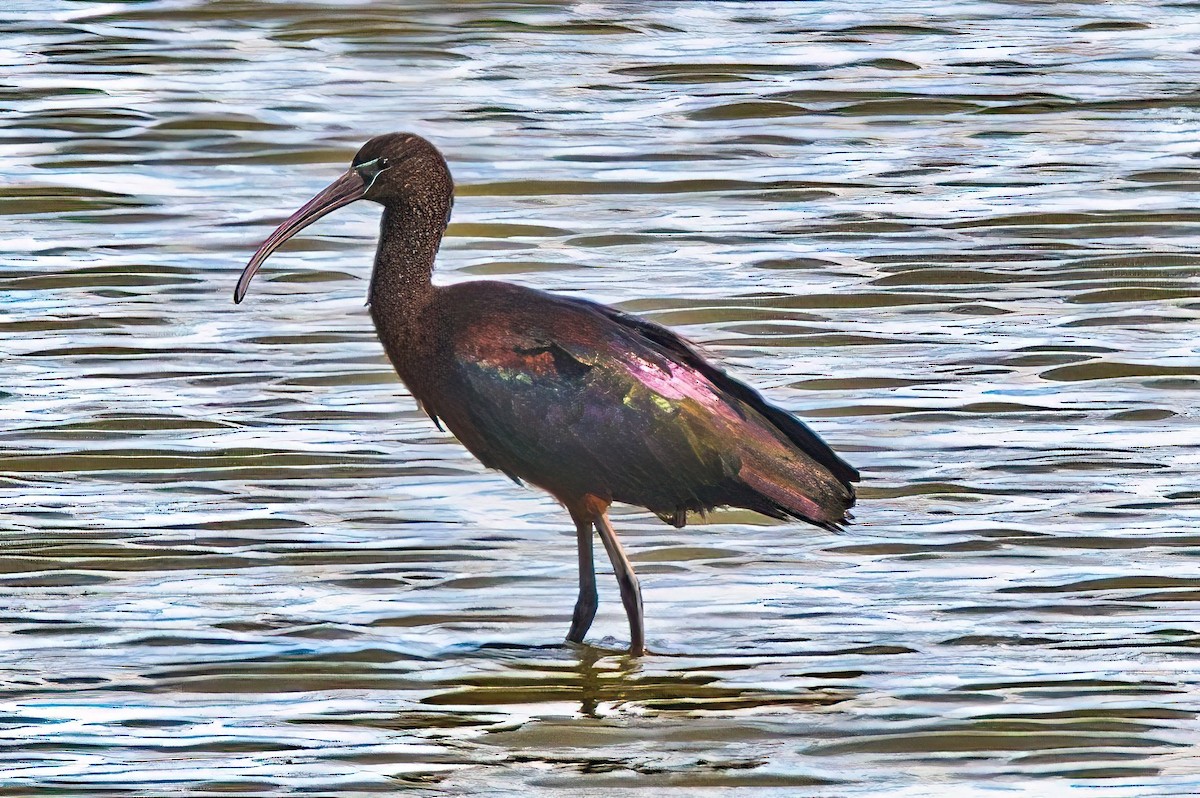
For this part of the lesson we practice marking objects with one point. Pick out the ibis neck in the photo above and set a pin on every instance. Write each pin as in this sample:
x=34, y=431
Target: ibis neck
x=409, y=237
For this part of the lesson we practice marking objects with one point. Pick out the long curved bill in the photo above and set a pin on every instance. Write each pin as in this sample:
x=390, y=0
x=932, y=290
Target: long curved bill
x=341, y=192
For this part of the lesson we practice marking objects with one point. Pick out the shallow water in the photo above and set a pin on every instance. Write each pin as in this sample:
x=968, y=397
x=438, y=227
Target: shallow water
x=961, y=239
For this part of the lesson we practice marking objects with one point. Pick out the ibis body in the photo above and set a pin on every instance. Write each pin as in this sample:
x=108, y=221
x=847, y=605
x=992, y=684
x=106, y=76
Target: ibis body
x=591, y=404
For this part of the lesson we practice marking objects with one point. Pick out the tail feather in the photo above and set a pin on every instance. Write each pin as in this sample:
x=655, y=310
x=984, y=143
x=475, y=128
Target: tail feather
x=820, y=499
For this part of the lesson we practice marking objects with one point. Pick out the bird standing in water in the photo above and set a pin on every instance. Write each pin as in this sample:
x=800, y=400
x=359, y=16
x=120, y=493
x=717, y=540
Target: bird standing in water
x=586, y=402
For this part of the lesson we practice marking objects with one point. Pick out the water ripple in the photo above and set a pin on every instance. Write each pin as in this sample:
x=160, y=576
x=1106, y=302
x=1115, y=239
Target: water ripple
x=235, y=558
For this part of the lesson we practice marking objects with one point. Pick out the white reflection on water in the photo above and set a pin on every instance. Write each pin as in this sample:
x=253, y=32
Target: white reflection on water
x=958, y=239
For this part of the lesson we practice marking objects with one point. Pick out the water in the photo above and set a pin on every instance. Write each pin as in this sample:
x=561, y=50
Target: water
x=961, y=239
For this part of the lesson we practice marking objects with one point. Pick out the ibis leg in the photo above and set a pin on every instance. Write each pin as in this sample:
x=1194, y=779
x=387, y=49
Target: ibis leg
x=631, y=591
x=585, y=605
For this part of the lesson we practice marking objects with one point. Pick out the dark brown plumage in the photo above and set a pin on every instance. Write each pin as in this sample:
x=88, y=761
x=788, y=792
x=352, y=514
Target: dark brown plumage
x=588, y=403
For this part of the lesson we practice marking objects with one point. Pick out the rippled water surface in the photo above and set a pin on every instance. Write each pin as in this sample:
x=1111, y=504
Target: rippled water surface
x=962, y=239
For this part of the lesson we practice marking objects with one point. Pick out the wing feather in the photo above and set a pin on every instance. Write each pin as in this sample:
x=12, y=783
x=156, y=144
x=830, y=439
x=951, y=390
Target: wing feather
x=795, y=430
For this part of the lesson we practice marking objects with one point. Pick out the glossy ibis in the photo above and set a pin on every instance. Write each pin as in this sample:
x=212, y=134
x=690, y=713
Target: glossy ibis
x=586, y=402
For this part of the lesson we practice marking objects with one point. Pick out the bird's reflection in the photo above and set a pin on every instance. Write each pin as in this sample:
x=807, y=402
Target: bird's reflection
x=599, y=684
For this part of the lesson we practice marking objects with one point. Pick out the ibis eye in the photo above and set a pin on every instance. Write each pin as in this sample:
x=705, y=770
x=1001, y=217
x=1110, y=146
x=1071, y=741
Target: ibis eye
x=370, y=170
